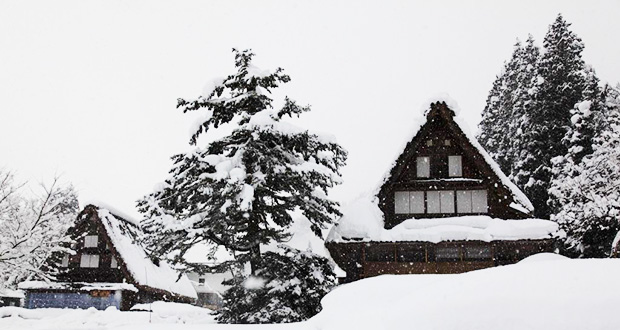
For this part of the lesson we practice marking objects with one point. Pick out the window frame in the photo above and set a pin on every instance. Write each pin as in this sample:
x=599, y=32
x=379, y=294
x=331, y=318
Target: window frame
x=89, y=260
x=454, y=164
x=88, y=241
x=423, y=166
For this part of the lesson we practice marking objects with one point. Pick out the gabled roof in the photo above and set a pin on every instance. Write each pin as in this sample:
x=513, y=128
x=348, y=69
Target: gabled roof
x=447, y=108
x=123, y=234
x=363, y=220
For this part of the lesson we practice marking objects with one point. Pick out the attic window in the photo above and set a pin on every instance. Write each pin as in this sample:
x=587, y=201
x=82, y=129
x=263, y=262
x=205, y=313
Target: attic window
x=429, y=143
x=65, y=261
x=447, y=142
x=91, y=241
x=89, y=261
x=455, y=166
x=423, y=167
x=113, y=263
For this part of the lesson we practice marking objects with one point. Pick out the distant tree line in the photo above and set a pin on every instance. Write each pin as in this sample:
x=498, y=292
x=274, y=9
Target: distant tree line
x=554, y=129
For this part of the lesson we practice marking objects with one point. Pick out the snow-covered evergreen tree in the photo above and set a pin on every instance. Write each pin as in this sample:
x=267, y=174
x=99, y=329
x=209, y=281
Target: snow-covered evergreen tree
x=32, y=229
x=288, y=287
x=523, y=100
x=239, y=191
x=586, y=121
x=588, y=191
x=506, y=114
x=493, y=126
x=560, y=87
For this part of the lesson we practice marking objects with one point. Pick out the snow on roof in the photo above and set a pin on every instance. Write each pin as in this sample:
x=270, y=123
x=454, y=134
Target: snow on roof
x=362, y=220
x=522, y=203
x=8, y=293
x=82, y=286
x=519, y=196
x=122, y=233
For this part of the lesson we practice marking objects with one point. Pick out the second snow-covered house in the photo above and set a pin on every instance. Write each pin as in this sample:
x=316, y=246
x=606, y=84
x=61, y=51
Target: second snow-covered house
x=443, y=207
x=109, y=268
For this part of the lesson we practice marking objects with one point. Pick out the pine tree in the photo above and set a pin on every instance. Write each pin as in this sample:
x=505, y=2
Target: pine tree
x=496, y=117
x=523, y=101
x=506, y=115
x=588, y=195
x=560, y=87
x=287, y=288
x=239, y=191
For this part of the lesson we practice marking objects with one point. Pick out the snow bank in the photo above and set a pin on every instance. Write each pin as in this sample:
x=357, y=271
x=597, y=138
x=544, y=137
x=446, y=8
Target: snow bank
x=363, y=220
x=53, y=318
x=560, y=294
x=543, y=292
x=184, y=313
x=83, y=286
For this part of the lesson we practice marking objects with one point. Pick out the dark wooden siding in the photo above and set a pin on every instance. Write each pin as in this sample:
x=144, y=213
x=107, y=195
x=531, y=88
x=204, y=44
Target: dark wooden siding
x=362, y=260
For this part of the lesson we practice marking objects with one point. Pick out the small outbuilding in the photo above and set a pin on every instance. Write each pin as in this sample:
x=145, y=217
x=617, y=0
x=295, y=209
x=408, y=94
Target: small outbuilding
x=109, y=268
x=10, y=297
x=443, y=207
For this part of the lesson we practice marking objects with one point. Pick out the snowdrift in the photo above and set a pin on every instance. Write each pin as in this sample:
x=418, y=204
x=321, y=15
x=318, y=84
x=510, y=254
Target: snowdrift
x=545, y=291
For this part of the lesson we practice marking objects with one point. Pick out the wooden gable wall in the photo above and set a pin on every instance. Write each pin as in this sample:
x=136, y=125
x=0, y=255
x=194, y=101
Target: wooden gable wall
x=476, y=173
x=90, y=224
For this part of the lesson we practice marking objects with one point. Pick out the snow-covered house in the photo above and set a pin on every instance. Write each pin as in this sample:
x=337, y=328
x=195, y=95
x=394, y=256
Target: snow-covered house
x=109, y=268
x=443, y=207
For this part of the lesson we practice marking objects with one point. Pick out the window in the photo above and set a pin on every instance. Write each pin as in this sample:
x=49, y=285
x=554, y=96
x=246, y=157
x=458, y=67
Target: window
x=416, y=202
x=447, y=201
x=409, y=202
x=380, y=253
x=440, y=201
x=471, y=201
x=113, y=263
x=65, y=261
x=201, y=282
x=411, y=253
x=479, y=201
x=429, y=143
x=89, y=261
x=423, y=167
x=434, y=204
x=447, y=253
x=477, y=253
x=90, y=241
x=455, y=166
x=463, y=201
x=401, y=202
x=447, y=142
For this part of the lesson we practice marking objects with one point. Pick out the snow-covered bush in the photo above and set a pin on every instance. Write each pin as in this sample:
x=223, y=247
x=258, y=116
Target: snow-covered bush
x=287, y=287
x=589, y=190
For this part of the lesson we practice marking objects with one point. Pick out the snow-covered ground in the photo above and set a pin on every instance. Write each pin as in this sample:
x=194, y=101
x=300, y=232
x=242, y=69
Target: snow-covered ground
x=544, y=291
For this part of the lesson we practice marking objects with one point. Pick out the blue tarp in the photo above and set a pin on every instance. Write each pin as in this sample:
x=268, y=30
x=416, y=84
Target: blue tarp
x=71, y=300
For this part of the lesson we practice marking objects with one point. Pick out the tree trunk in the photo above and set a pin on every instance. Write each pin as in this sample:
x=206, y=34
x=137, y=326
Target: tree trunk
x=255, y=259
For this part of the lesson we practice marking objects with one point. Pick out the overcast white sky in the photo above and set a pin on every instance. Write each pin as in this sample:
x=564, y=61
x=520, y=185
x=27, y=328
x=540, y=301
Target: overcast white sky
x=88, y=89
